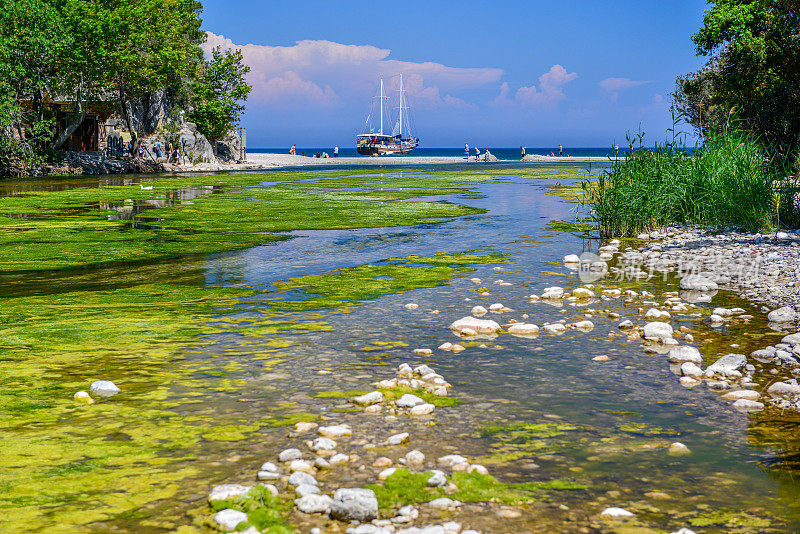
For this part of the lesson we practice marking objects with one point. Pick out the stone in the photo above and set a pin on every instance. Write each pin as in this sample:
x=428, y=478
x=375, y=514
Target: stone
x=382, y=462
x=229, y=149
x=748, y=394
x=321, y=463
x=685, y=353
x=444, y=502
x=386, y=473
x=478, y=468
x=616, y=512
x=423, y=352
x=791, y=339
x=270, y=488
x=306, y=489
x=229, y=518
x=678, y=449
x=497, y=307
x=451, y=527
x=782, y=315
x=691, y=369
x=354, y=504
x=446, y=346
x=581, y=293
x=423, y=409
x=584, y=325
x=409, y=401
x=696, y=282
x=334, y=431
x=301, y=465
x=658, y=330
x=326, y=444
x=479, y=311
x=368, y=528
x=654, y=314
x=415, y=457
x=727, y=365
x=684, y=530
x=523, y=329
x=227, y=491
x=480, y=326
x=553, y=293
x=451, y=459
x=373, y=397
x=338, y=459
x=269, y=466
x=437, y=479
x=298, y=478
x=411, y=306
x=268, y=475
x=572, y=258
x=783, y=388
x=303, y=426
x=194, y=146
x=314, y=504
x=398, y=439
x=555, y=328
x=104, y=388
x=625, y=324
x=83, y=397
x=744, y=405
x=290, y=454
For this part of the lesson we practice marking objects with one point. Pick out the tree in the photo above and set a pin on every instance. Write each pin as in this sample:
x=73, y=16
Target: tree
x=753, y=73
x=218, y=93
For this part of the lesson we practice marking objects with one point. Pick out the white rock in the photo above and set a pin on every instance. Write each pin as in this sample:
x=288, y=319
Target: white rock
x=354, y=504
x=228, y=518
x=373, y=397
x=496, y=307
x=613, y=511
x=555, y=328
x=450, y=460
x=716, y=319
x=658, y=330
x=480, y=326
x=334, y=431
x=227, y=491
x=82, y=396
x=423, y=409
x=691, y=369
x=678, y=449
x=303, y=426
x=478, y=468
x=697, y=282
x=584, y=325
x=582, y=293
x=386, y=473
x=685, y=353
x=554, y=292
x=104, y=388
x=451, y=527
x=321, y=463
x=572, y=258
x=306, y=489
x=523, y=329
x=314, y=504
x=298, y=478
x=783, y=388
x=744, y=405
x=444, y=502
x=268, y=475
x=423, y=352
x=415, y=457
x=684, y=530
x=290, y=454
x=397, y=439
x=301, y=465
x=727, y=365
x=747, y=394
x=654, y=314
x=326, y=444
x=446, y=346
x=338, y=459
x=479, y=311
x=782, y=315
x=625, y=324
x=437, y=479
x=411, y=306
x=409, y=401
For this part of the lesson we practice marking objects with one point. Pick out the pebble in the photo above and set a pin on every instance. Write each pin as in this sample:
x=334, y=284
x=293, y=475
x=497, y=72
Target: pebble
x=338, y=459
x=614, y=511
x=747, y=394
x=314, y=504
x=555, y=328
x=423, y=409
x=290, y=454
x=373, y=397
x=398, y=439
x=301, y=465
x=228, y=518
x=584, y=325
x=423, y=352
x=523, y=329
x=382, y=462
x=744, y=405
x=479, y=311
x=304, y=426
x=658, y=330
x=104, y=388
x=411, y=306
x=326, y=444
x=298, y=478
x=444, y=502
x=82, y=396
x=685, y=354
x=227, y=491
x=409, y=401
x=437, y=479
x=306, y=489
x=268, y=475
x=334, y=431
x=415, y=457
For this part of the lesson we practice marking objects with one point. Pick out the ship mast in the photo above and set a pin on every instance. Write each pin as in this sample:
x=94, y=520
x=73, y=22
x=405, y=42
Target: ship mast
x=401, y=109
x=381, y=97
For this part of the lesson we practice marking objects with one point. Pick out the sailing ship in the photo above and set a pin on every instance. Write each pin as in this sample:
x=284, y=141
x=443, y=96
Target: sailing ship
x=400, y=141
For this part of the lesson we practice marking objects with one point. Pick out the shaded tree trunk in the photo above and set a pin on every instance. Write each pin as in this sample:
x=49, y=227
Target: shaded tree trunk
x=126, y=112
x=80, y=112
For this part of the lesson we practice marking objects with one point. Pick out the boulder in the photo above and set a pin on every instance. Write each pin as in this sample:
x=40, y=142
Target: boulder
x=194, y=145
x=727, y=365
x=227, y=491
x=368, y=399
x=409, y=401
x=229, y=149
x=481, y=326
x=313, y=503
x=685, y=353
x=658, y=330
x=229, y=518
x=744, y=405
x=782, y=315
x=354, y=504
x=104, y=388
x=697, y=282
x=523, y=329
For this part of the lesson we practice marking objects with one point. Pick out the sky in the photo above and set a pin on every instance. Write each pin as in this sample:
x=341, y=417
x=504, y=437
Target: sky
x=498, y=74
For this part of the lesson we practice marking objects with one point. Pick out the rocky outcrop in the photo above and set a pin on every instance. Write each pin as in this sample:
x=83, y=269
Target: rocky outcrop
x=229, y=149
x=194, y=145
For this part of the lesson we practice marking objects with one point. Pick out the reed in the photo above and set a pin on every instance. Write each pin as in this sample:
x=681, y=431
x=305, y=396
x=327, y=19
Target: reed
x=731, y=181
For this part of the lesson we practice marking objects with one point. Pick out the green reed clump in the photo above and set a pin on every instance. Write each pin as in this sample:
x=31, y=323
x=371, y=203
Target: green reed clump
x=730, y=181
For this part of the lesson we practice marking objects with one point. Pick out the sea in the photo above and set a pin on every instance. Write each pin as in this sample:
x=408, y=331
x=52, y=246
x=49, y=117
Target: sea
x=503, y=154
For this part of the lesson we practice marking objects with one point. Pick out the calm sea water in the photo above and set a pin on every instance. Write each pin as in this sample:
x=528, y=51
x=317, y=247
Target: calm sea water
x=509, y=154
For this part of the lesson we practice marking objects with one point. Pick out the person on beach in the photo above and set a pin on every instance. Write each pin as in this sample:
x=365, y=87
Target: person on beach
x=486, y=154
x=560, y=150
x=466, y=150
x=293, y=150
x=477, y=153
x=335, y=151
x=157, y=150
x=616, y=150
x=522, y=149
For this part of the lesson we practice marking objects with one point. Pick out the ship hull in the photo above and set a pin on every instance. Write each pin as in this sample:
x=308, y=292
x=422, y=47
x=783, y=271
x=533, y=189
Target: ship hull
x=379, y=149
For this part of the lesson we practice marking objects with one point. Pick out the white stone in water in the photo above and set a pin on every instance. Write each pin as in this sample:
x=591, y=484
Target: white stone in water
x=268, y=475
x=783, y=388
x=625, y=324
x=314, y=504
x=409, y=401
x=654, y=314
x=716, y=319
x=722, y=312
x=386, y=473
x=301, y=477
x=375, y=408
x=290, y=454
x=423, y=409
x=688, y=381
x=782, y=315
x=480, y=326
x=727, y=365
x=82, y=396
x=584, y=325
x=411, y=306
x=582, y=293
x=685, y=353
x=104, y=388
x=614, y=511
x=405, y=371
x=479, y=311
x=437, y=479
x=451, y=459
x=678, y=449
x=423, y=370
x=682, y=530
x=338, y=459
x=451, y=527
x=554, y=292
x=744, y=405
x=572, y=258
x=334, y=431
x=697, y=282
x=373, y=397
x=747, y=394
x=227, y=491
x=446, y=346
x=523, y=329
x=415, y=457
x=475, y=280
x=444, y=502
x=478, y=468
x=303, y=426
x=323, y=444
x=691, y=369
x=229, y=518
x=359, y=504
x=301, y=465
x=458, y=348
x=658, y=330
x=398, y=439
x=321, y=463
x=555, y=328
x=496, y=307
x=306, y=489
x=423, y=352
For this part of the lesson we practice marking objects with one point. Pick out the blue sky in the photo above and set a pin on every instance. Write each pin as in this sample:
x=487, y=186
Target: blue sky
x=508, y=73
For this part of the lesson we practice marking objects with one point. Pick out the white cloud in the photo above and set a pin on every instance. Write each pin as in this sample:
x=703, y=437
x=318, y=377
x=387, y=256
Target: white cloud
x=325, y=74
x=550, y=90
x=614, y=85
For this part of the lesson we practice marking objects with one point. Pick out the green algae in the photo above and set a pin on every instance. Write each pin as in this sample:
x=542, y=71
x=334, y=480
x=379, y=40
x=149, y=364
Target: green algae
x=264, y=511
x=392, y=394
x=523, y=440
x=730, y=519
x=405, y=487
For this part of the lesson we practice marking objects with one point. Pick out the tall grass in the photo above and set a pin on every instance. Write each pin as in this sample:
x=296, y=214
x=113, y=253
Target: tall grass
x=729, y=182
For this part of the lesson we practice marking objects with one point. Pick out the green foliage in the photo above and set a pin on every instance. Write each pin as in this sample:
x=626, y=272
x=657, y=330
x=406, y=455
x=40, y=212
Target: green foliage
x=753, y=71
x=218, y=92
x=727, y=182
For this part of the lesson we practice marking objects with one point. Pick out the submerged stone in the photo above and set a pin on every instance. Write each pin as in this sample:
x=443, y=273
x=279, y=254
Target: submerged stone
x=359, y=504
x=229, y=518
x=104, y=388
